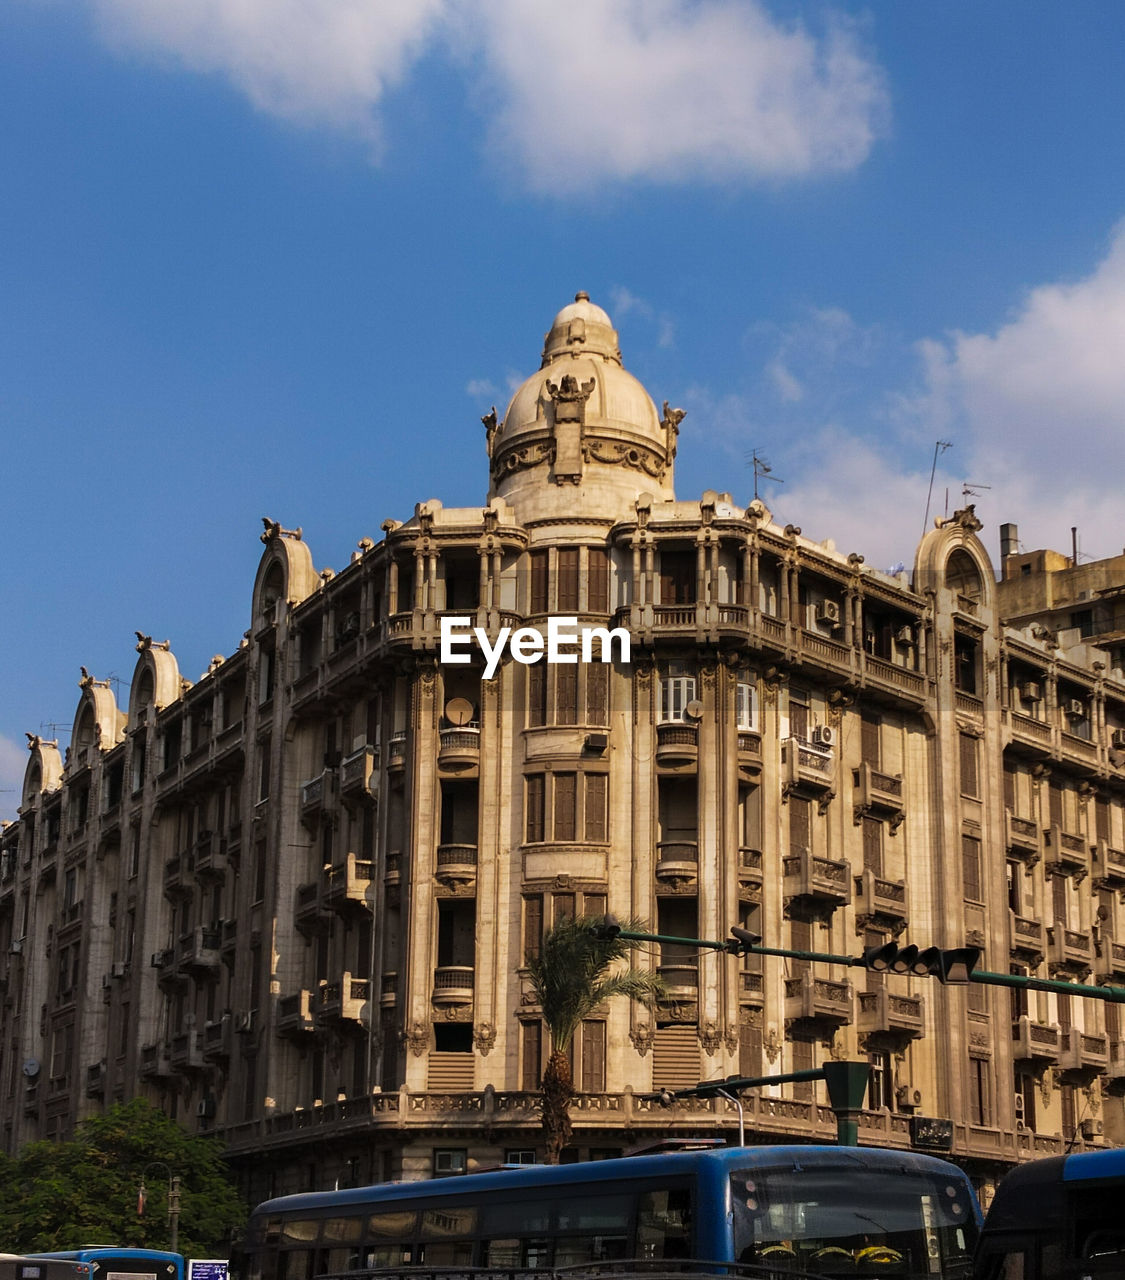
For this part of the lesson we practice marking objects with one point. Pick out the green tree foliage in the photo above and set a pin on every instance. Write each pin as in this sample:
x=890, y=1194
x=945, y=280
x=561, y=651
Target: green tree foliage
x=61, y=1195
x=573, y=975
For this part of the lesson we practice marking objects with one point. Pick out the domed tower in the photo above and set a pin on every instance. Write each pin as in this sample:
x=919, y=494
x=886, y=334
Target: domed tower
x=581, y=437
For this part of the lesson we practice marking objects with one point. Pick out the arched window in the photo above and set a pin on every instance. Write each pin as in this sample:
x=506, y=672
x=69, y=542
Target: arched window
x=962, y=575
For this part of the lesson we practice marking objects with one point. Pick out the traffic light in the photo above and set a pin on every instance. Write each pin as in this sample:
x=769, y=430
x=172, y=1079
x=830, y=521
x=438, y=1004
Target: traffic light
x=952, y=966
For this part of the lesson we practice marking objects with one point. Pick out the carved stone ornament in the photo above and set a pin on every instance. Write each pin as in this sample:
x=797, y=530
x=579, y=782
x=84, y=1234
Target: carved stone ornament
x=771, y=1045
x=520, y=459
x=484, y=1037
x=1046, y=1083
x=489, y=421
x=417, y=1038
x=629, y=456
x=641, y=1036
x=710, y=1037
x=570, y=397
x=731, y=1039
x=273, y=530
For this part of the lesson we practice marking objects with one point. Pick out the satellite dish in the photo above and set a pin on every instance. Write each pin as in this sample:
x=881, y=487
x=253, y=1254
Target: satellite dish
x=31, y=1068
x=693, y=710
x=459, y=711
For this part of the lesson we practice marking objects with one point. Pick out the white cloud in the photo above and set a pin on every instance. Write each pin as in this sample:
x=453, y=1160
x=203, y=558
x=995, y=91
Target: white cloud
x=481, y=389
x=662, y=90
x=1040, y=403
x=623, y=303
x=314, y=61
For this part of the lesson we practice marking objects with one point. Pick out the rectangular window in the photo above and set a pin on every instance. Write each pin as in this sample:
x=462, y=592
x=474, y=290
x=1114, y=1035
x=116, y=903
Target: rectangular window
x=539, y=582
x=568, y=580
x=593, y=1057
x=799, y=714
x=803, y=1061
x=1059, y=899
x=873, y=845
x=800, y=825
x=980, y=1091
x=598, y=581
x=537, y=694
x=532, y=926
x=597, y=694
x=869, y=741
x=677, y=577
x=596, y=808
x=566, y=695
x=450, y=1160
x=677, y=689
x=970, y=783
x=746, y=703
x=536, y=807
x=565, y=806
x=971, y=868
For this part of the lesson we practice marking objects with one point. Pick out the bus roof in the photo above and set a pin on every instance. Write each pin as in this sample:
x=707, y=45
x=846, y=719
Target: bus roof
x=1094, y=1164
x=625, y=1169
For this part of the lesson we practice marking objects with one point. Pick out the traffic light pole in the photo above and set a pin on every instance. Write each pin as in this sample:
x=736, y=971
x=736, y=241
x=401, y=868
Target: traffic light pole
x=1113, y=995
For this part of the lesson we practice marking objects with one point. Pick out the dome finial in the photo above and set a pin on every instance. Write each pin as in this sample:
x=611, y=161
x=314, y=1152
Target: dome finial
x=581, y=296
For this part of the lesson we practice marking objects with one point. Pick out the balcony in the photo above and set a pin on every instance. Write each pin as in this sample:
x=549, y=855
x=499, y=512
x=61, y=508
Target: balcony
x=96, y=1080
x=751, y=987
x=315, y=795
x=809, y=998
x=459, y=748
x=155, y=1062
x=311, y=914
x=178, y=876
x=1024, y=837
x=1109, y=962
x=879, y=793
x=821, y=883
x=1115, y=1068
x=888, y=1014
x=1082, y=1054
x=1069, y=951
x=677, y=862
x=343, y=1000
x=216, y=1039
x=453, y=984
x=1109, y=866
x=388, y=991
x=1034, y=736
x=358, y=779
x=749, y=752
x=186, y=1052
x=1064, y=851
x=1033, y=1041
x=169, y=974
x=677, y=745
x=456, y=864
x=295, y=1014
x=749, y=866
x=210, y=857
x=348, y=884
x=880, y=902
x=199, y=949
x=1026, y=938
x=808, y=767
x=396, y=751
x=681, y=980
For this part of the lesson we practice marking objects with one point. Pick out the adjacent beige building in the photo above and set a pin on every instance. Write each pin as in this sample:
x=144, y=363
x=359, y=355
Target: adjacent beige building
x=292, y=902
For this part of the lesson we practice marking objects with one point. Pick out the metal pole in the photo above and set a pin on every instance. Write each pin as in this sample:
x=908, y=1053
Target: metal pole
x=174, y=1210
x=733, y=1097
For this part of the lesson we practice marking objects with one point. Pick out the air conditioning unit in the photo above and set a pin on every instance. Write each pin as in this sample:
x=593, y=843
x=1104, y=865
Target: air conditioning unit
x=1117, y=738
x=1075, y=708
x=120, y=969
x=1030, y=691
x=1092, y=1128
x=905, y=635
x=596, y=742
x=824, y=735
x=107, y=981
x=907, y=1096
x=244, y=1022
x=15, y=947
x=828, y=611
x=205, y=1108
x=161, y=958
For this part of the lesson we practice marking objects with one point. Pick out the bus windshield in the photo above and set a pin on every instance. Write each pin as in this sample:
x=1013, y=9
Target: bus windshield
x=909, y=1223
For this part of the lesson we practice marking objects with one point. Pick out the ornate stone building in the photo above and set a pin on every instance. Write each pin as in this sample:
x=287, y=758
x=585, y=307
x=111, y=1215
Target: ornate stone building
x=291, y=902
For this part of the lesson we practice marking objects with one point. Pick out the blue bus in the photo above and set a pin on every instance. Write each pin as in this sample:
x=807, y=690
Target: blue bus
x=15, y=1266
x=107, y=1262
x=1057, y=1219
x=835, y=1211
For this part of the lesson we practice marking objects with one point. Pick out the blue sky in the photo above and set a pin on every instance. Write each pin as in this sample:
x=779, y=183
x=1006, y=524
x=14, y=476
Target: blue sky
x=276, y=257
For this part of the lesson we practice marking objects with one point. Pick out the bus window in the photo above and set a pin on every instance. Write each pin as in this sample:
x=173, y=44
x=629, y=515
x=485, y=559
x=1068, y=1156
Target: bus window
x=397, y=1224
x=447, y=1223
x=590, y=1213
x=300, y=1230
x=664, y=1223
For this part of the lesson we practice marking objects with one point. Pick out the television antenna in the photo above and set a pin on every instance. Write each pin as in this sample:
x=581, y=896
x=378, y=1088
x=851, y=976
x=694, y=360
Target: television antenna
x=973, y=488
x=762, y=471
x=940, y=447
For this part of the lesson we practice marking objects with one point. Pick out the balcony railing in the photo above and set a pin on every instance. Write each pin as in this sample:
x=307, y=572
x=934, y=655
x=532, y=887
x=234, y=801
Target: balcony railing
x=822, y=881
x=677, y=861
x=1027, y=938
x=453, y=984
x=459, y=747
x=295, y=1014
x=343, y=1000
x=817, y=999
x=348, y=882
x=1079, y=1052
x=1064, y=850
x=1024, y=837
x=680, y=978
x=1034, y=1041
x=880, y=900
x=676, y=744
x=1068, y=949
x=888, y=1013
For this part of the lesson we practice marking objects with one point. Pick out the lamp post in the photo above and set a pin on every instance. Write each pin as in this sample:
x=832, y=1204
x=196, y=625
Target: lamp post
x=173, y=1199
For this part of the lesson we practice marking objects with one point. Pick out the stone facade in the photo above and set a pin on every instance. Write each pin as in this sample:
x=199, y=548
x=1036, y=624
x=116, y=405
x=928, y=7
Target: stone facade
x=292, y=902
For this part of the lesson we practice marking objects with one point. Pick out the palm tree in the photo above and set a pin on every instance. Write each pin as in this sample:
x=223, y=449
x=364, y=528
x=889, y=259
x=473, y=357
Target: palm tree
x=570, y=978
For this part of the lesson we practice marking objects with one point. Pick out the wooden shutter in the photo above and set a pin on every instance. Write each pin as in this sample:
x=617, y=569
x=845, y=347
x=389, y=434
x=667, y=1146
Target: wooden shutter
x=970, y=785
x=970, y=867
x=540, y=582
x=873, y=845
x=449, y=1071
x=568, y=580
x=598, y=581
x=675, y=1057
x=597, y=693
x=596, y=811
x=749, y=1051
x=869, y=741
x=532, y=926
x=593, y=1057
x=566, y=694
x=531, y=1055
x=537, y=693
x=1058, y=899
x=565, y=802
x=800, y=823
x=535, y=807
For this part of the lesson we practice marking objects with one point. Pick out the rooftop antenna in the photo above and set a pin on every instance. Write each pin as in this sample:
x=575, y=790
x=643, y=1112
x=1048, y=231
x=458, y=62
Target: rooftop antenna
x=762, y=471
x=972, y=488
x=53, y=727
x=940, y=447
